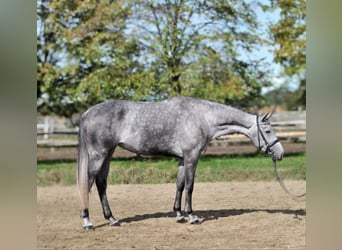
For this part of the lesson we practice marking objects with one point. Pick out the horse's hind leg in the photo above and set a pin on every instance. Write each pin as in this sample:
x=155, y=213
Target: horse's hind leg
x=94, y=166
x=190, y=163
x=83, y=184
x=180, y=187
x=101, y=184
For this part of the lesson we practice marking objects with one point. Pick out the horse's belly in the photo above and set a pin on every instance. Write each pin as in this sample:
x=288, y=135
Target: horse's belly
x=153, y=146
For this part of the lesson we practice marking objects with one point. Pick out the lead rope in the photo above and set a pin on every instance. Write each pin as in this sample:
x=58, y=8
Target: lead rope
x=281, y=182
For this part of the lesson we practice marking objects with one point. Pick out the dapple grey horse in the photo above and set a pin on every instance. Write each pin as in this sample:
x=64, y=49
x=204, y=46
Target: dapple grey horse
x=181, y=127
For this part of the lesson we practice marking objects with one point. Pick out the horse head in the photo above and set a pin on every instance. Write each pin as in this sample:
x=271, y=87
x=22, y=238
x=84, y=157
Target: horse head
x=264, y=138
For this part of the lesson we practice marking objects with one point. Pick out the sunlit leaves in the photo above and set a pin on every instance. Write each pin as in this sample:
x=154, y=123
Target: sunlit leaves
x=83, y=55
x=194, y=46
x=90, y=51
x=289, y=36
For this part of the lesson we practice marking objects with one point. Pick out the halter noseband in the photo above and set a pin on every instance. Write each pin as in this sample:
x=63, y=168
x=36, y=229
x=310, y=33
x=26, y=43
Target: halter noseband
x=268, y=146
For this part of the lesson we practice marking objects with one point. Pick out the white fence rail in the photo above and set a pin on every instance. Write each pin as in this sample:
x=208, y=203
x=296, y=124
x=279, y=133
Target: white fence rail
x=286, y=120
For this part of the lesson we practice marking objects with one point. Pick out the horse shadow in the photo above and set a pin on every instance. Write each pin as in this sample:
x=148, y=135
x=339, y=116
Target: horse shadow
x=207, y=215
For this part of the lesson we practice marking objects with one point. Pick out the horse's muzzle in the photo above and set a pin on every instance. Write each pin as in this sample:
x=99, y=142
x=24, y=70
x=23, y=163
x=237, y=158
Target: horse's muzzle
x=277, y=158
x=277, y=152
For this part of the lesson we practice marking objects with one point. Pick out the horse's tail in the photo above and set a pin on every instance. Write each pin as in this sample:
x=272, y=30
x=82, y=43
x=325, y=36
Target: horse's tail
x=82, y=168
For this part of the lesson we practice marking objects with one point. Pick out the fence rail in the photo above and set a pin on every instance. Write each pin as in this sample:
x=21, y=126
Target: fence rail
x=58, y=133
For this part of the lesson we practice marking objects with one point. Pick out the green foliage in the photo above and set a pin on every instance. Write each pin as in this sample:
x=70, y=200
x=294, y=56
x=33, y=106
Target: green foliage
x=283, y=97
x=194, y=48
x=83, y=55
x=90, y=51
x=289, y=37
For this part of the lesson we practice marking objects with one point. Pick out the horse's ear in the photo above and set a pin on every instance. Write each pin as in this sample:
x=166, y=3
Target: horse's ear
x=264, y=117
x=269, y=115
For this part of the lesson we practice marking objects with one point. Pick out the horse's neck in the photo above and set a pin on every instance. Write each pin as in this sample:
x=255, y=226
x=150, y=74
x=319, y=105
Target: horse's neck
x=228, y=120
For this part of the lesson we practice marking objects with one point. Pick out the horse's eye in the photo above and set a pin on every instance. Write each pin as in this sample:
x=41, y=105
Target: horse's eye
x=267, y=131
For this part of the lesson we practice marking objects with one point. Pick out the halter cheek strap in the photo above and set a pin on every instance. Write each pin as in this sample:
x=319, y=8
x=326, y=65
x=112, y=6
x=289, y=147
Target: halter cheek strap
x=268, y=146
x=258, y=131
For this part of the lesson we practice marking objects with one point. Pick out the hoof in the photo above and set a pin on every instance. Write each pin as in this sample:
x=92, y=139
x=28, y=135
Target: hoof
x=114, y=222
x=87, y=225
x=180, y=219
x=194, y=219
x=89, y=228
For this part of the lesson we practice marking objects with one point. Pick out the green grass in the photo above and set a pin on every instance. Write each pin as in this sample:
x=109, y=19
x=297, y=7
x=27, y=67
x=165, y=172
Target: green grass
x=164, y=170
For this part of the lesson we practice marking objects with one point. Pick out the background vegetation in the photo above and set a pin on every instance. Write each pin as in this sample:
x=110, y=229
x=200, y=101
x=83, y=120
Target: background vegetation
x=89, y=51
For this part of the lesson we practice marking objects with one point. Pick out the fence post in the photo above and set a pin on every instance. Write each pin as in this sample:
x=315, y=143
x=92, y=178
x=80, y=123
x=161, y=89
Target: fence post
x=46, y=127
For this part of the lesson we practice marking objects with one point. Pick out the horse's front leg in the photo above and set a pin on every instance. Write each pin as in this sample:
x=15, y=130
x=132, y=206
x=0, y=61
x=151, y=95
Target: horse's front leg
x=189, y=173
x=180, y=187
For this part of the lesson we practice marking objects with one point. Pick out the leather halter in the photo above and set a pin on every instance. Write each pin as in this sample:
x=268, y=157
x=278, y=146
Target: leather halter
x=268, y=145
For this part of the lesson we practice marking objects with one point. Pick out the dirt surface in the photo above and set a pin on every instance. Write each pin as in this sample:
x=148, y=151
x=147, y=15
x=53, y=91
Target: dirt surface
x=235, y=215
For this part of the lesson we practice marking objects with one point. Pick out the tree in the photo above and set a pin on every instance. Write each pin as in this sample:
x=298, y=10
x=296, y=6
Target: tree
x=83, y=55
x=283, y=97
x=289, y=37
x=89, y=51
x=194, y=48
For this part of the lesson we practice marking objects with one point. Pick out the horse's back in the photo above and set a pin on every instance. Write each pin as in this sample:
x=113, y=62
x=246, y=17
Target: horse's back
x=120, y=108
x=111, y=109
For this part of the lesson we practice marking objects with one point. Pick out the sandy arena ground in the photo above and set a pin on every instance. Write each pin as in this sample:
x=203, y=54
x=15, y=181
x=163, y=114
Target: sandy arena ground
x=235, y=215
